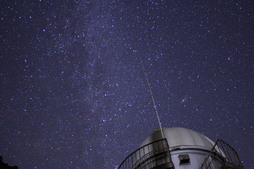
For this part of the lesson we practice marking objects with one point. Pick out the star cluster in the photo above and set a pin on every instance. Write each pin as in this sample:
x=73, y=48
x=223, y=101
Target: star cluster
x=74, y=94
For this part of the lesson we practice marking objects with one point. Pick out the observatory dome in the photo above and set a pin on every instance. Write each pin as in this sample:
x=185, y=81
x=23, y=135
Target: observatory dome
x=182, y=148
x=180, y=137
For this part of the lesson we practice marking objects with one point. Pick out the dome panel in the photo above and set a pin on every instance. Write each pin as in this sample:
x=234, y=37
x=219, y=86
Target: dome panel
x=178, y=136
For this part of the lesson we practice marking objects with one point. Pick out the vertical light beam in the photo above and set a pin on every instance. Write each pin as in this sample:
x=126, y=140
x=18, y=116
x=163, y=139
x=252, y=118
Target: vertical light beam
x=151, y=93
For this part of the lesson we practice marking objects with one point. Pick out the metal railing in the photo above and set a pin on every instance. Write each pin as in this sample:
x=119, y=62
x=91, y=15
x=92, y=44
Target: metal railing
x=222, y=156
x=153, y=155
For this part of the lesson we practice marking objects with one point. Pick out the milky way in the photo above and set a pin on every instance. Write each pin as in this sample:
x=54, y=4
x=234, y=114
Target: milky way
x=73, y=92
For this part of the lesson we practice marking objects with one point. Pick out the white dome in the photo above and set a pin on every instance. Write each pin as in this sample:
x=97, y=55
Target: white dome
x=178, y=137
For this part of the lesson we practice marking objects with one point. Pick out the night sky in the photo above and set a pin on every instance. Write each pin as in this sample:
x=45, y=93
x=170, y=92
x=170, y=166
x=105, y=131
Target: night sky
x=73, y=92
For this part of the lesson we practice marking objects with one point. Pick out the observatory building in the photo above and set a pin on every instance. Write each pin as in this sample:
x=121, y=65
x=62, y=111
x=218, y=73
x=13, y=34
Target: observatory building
x=181, y=148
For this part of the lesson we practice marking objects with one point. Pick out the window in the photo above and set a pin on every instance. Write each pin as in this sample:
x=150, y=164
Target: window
x=184, y=159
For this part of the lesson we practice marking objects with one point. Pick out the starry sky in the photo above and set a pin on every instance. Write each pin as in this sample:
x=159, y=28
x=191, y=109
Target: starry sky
x=73, y=92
